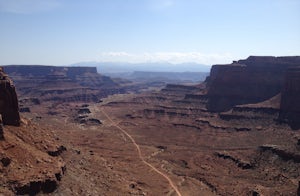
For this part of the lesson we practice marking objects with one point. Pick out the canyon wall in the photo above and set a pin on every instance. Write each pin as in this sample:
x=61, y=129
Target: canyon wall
x=290, y=99
x=63, y=84
x=246, y=81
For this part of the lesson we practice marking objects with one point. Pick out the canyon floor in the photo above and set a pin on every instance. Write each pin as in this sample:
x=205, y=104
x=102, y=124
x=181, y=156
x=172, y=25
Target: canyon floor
x=161, y=143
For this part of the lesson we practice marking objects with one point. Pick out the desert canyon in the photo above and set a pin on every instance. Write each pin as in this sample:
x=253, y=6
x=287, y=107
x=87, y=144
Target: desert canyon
x=73, y=131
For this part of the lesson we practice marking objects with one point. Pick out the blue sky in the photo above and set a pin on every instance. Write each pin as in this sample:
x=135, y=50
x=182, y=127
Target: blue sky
x=59, y=32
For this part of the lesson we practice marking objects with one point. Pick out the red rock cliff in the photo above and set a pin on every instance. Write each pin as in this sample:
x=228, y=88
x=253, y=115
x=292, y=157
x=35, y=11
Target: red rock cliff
x=9, y=108
x=246, y=81
x=290, y=99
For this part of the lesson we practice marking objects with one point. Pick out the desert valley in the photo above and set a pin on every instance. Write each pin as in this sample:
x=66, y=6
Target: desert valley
x=73, y=131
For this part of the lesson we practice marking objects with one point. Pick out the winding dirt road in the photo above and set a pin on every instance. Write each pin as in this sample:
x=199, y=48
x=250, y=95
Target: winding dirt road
x=140, y=154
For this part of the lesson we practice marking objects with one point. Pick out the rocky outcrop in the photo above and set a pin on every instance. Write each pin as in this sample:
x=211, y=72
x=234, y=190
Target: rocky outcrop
x=9, y=108
x=246, y=81
x=290, y=105
x=90, y=121
x=284, y=154
x=35, y=187
x=57, y=151
x=240, y=163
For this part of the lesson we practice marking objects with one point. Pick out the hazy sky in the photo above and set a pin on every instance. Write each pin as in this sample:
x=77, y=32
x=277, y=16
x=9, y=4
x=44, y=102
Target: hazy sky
x=212, y=31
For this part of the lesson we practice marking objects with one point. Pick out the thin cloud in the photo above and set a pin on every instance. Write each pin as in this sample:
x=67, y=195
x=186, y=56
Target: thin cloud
x=170, y=57
x=27, y=6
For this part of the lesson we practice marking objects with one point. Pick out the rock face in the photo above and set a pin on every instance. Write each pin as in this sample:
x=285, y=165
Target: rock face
x=247, y=81
x=9, y=108
x=290, y=105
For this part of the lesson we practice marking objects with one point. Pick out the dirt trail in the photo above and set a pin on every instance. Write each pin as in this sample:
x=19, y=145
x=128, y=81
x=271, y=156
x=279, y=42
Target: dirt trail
x=140, y=154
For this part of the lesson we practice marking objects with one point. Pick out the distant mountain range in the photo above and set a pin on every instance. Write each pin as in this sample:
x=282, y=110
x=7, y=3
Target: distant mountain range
x=168, y=77
x=113, y=67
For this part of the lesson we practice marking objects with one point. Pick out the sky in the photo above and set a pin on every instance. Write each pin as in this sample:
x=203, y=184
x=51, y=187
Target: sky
x=62, y=32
